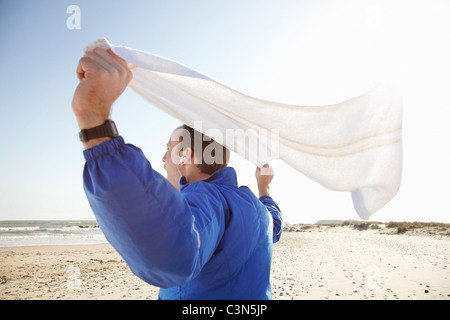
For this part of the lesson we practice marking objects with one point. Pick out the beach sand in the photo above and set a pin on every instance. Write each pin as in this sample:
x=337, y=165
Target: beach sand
x=309, y=262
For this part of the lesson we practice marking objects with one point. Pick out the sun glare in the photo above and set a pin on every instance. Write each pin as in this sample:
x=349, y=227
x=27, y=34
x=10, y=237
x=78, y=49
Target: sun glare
x=348, y=48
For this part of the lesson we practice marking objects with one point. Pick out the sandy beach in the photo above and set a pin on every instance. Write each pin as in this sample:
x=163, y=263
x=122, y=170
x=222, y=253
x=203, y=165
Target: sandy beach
x=350, y=261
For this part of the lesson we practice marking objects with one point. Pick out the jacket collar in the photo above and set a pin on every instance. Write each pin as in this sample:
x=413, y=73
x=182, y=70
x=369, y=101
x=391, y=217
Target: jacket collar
x=225, y=176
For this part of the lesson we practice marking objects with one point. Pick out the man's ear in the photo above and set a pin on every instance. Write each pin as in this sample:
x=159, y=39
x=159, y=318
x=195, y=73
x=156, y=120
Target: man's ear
x=188, y=156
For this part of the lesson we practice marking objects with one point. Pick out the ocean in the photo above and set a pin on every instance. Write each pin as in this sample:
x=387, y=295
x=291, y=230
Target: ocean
x=49, y=232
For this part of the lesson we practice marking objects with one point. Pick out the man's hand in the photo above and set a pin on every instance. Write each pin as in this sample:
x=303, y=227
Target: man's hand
x=264, y=177
x=103, y=77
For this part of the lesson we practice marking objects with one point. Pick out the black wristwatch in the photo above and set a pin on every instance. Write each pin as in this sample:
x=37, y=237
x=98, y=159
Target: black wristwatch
x=108, y=129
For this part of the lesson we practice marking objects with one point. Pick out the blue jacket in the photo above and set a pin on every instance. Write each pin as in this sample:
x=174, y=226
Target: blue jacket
x=212, y=240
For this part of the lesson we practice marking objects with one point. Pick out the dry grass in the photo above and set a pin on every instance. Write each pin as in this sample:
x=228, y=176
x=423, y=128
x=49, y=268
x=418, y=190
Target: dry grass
x=403, y=227
x=430, y=228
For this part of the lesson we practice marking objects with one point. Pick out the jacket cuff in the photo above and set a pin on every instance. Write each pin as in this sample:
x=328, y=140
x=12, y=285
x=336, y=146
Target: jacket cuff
x=265, y=197
x=106, y=148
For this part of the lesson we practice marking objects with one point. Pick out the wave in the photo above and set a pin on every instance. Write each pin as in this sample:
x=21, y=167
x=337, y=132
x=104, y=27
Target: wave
x=49, y=232
x=19, y=228
x=81, y=236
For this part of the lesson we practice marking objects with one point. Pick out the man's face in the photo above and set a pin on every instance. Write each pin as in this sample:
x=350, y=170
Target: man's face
x=172, y=158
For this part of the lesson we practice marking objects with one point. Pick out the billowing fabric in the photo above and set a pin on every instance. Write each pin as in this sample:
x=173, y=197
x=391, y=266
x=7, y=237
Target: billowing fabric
x=353, y=146
x=211, y=240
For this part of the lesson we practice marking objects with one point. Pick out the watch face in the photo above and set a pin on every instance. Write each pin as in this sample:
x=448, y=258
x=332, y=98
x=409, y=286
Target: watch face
x=83, y=135
x=113, y=127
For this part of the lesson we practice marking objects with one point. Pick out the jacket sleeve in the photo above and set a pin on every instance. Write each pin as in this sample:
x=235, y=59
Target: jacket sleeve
x=275, y=212
x=155, y=229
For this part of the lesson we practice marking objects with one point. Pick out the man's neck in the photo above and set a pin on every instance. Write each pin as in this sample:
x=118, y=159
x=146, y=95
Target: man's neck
x=196, y=176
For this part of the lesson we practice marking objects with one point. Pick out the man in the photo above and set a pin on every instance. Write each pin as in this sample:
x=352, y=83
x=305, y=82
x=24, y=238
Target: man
x=208, y=240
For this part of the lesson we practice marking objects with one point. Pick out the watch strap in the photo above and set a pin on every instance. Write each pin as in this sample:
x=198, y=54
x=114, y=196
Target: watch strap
x=107, y=129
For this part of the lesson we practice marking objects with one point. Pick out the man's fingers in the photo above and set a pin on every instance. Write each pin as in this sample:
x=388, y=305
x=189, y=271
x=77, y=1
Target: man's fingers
x=100, y=60
x=86, y=65
x=80, y=71
x=111, y=58
x=266, y=170
x=114, y=61
x=124, y=65
x=105, y=61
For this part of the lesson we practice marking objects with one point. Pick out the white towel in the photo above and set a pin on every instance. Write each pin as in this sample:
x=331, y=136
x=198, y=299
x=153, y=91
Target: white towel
x=353, y=146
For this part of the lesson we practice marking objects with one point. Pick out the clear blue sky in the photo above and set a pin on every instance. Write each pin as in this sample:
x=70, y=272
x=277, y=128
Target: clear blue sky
x=296, y=51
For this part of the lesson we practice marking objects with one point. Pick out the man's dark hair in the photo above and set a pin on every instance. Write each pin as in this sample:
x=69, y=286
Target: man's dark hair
x=209, y=162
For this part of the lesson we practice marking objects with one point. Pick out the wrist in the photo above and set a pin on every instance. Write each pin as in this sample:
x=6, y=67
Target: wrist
x=99, y=134
x=95, y=142
x=90, y=121
x=264, y=190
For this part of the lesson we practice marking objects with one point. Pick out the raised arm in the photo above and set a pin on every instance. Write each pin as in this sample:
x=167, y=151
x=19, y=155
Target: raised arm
x=264, y=177
x=103, y=77
x=159, y=232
